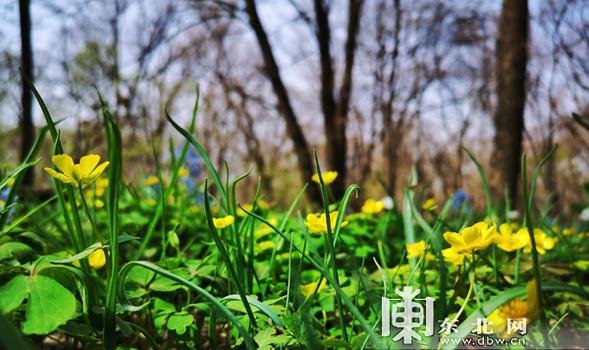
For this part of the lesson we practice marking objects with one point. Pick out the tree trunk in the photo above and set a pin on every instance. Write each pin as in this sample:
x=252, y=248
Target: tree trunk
x=338, y=156
x=333, y=129
x=26, y=123
x=301, y=147
x=335, y=112
x=391, y=141
x=511, y=97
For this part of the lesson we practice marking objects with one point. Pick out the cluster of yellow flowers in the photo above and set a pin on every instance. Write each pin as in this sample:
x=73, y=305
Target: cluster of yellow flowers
x=480, y=236
x=223, y=222
x=372, y=207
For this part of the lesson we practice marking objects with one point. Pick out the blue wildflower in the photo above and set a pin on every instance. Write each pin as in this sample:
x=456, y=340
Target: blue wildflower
x=460, y=197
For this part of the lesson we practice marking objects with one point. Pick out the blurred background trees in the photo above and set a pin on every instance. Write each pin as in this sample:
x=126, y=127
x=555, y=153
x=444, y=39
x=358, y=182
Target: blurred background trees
x=374, y=85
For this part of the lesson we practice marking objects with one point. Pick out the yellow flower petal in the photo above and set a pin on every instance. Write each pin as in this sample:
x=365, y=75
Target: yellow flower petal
x=455, y=240
x=64, y=163
x=452, y=256
x=97, y=259
x=150, y=201
x=89, y=162
x=247, y=207
x=223, y=222
x=62, y=177
x=152, y=180
x=372, y=207
x=416, y=250
x=183, y=172
x=328, y=177
x=96, y=173
x=309, y=289
x=429, y=204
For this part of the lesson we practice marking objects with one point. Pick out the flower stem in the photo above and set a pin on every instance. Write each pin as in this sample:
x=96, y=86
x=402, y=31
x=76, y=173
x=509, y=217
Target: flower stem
x=517, y=259
x=463, y=305
x=89, y=215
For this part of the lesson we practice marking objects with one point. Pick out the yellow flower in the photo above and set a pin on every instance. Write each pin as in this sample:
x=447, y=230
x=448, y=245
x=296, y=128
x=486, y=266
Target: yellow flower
x=328, y=177
x=101, y=184
x=152, y=180
x=319, y=225
x=264, y=246
x=569, y=232
x=150, y=201
x=99, y=203
x=509, y=241
x=416, y=250
x=183, y=172
x=223, y=222
x=493, y=219
x=10, y=182
x=247, y=207
x=265, y=229
x=97, y=259
x=372, y=207
x=262, y=204
x=478, y=236
x=582, y=265
x=429, y=204
x=75, y=262
x=454, y=257
x=556, y=229
x=309, y=289
x=515, y=309
x=543, y=242
x=77, y=174
x=514, y=226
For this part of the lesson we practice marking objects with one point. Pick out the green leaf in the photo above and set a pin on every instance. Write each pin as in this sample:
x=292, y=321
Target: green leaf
x=83, y=254
x=133, y=290
x=336, y=344
x=141, y=275
x=163, y=305
x=359, y=340
x=162, y=284
x=13, y=293
x=126, y=238
x=124, y=326
x=179, y=321
x=255, y=303
x=49, y=305
x=22, y=252
x=581, y=121
x=267, y=337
